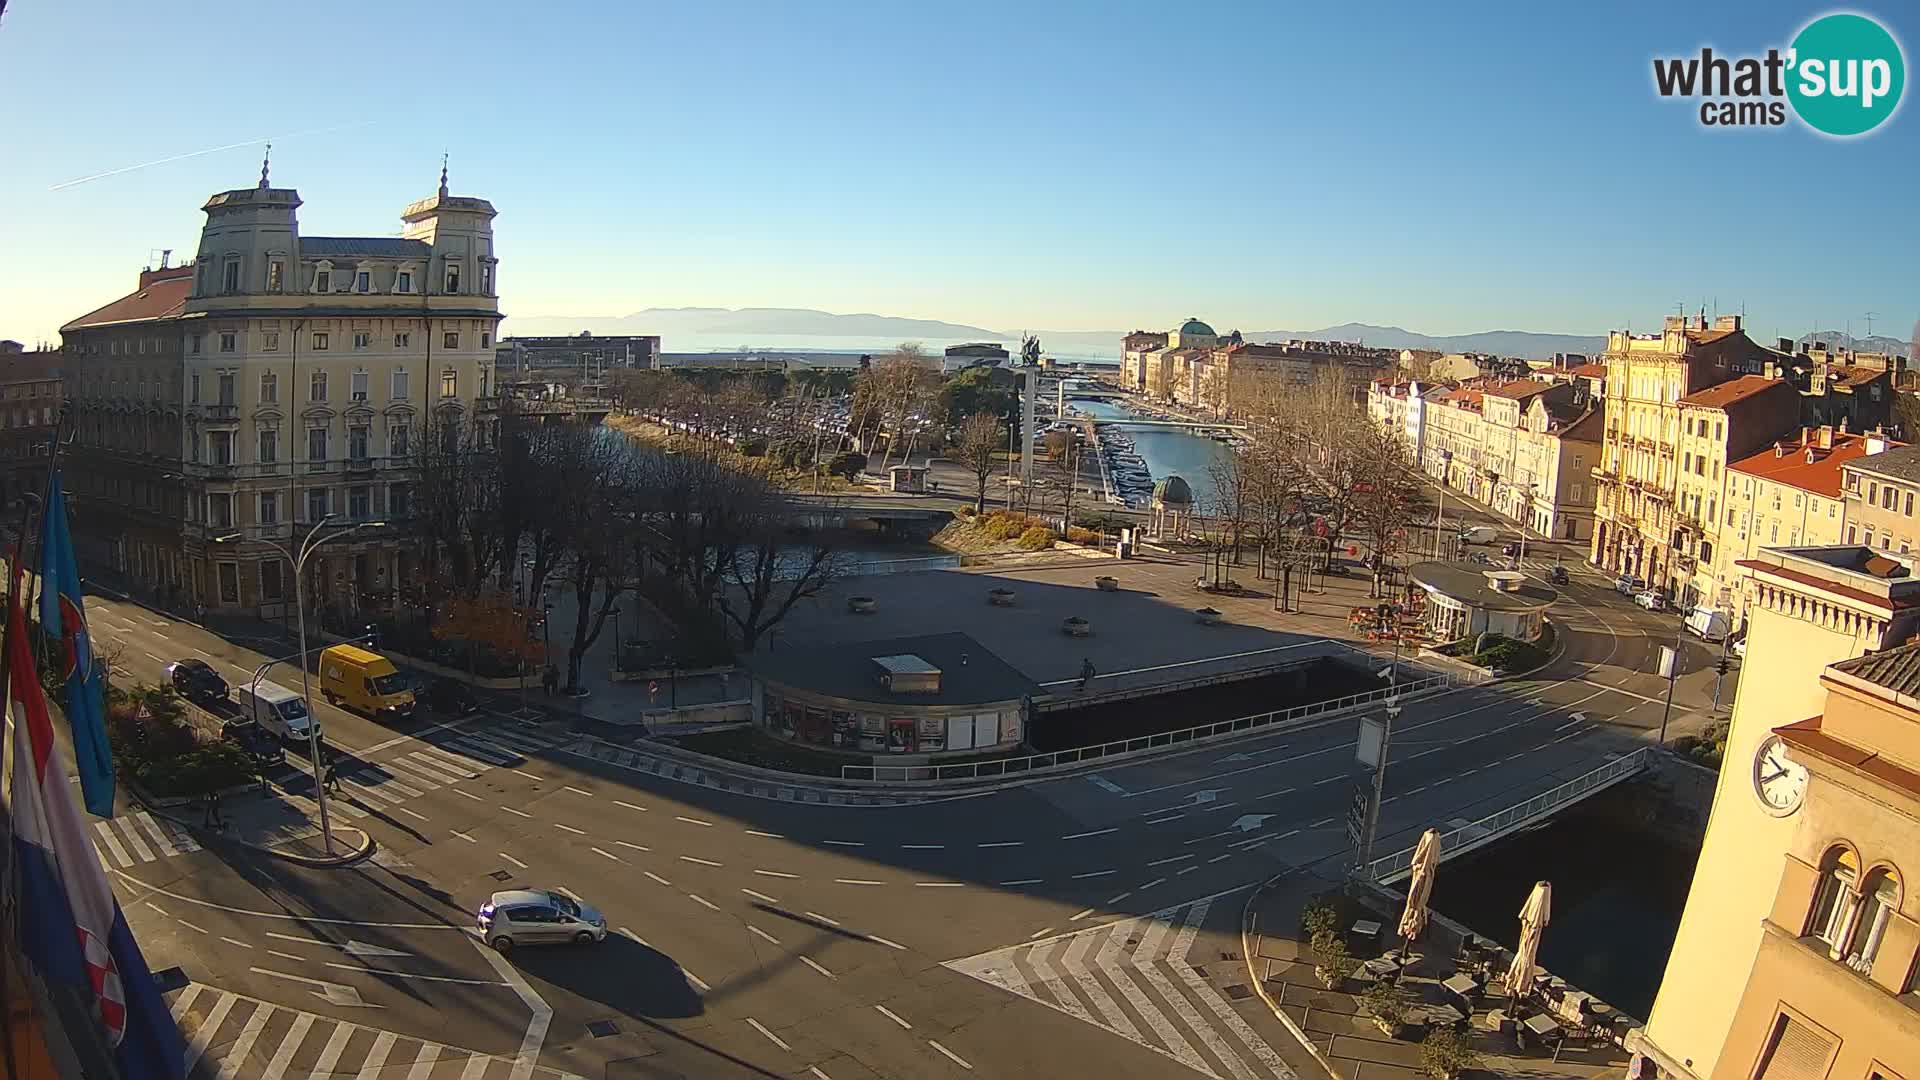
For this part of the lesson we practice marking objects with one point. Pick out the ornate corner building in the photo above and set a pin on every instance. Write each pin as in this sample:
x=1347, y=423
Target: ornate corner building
x=273, y=382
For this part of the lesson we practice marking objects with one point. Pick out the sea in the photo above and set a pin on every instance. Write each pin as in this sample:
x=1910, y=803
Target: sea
x=846, y=351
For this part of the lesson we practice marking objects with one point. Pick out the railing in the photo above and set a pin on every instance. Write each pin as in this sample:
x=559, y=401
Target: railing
x=1063, y=759
x=1391, y=868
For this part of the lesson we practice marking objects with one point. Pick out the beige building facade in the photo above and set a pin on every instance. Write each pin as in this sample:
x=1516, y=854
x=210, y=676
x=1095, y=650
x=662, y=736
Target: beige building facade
x=1880, y=493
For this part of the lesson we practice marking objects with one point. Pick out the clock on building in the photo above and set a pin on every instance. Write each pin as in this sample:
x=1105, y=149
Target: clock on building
x=1778, y=781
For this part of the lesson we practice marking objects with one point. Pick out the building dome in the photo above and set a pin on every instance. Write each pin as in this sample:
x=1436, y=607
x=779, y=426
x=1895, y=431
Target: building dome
x=1195, y=326
x=1172, y=491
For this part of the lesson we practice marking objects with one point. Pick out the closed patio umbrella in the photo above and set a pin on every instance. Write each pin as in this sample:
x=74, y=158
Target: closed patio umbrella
x=1533, y=920
x=1426, y=859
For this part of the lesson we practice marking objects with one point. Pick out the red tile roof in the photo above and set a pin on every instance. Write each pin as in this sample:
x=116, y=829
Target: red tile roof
x=37, y=366
x=1731, y=391
x=1595, y=371
x=162, y=295
x=1808, y=736
x=1822, y=477
x=1519, y=389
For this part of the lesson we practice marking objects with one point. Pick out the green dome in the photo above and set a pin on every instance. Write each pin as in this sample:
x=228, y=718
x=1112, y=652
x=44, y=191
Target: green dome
x=1172, y=490
x=1195, y=326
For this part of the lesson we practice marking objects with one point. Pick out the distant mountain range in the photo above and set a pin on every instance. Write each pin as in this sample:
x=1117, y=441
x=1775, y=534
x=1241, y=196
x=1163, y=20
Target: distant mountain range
x=702, y=329
x=1877, y=343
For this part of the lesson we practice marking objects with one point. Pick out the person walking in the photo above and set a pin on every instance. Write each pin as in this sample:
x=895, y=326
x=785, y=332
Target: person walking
x=1086, y=673
x=331, y=784
x=550, y=680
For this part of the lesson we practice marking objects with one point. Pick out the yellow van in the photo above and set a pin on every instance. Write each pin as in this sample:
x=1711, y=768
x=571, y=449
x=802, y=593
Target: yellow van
x=364, y=682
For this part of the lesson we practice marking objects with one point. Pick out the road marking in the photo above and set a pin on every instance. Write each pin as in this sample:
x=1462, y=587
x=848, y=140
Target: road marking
x=893, y=1016
x=1084, y=835
x=1321, y=824
x=956, y=1058
x=1329, y=780
x=923, y=847
x=376, y=1061
x=855, y=881
x=762, y=934
x=814, y=1071
x=844, y=843
x=702, y=862
x=1163, y=862
x=410, y=813
x=517, y=813
x=1117, y=899
x=656, y=877
x=287, y=956
x=536, y=778
x=424, y=1061
x=466, y=794
x=191, y=926
x=608, y=854
x=571, y=829
x=1021, y=881
x=463, y=836
x=760, y=896
x=768, y=835
x=1220, y=858
x=1187, y=871
x=694, y=821
x=202, y=1037
x=810, y=962
x=822, y=918
x=156, y=907
x=1164, y=820
x=776, y=873
x=576, y=791
x=1081, y=915
x=243, y=1046
x=299, y=940
x=1040, y=933
x=771, y=1037
x=878, y=940
x=511, y=859
x=703, y=901
x=156, y=659
x=629, y=806
x=236, y=941
x=1003, y=843
x=1093, y=874
x=388, y=973
x=1151, y=884
x=939, y=884
x=289, y=1045
x=636, y=847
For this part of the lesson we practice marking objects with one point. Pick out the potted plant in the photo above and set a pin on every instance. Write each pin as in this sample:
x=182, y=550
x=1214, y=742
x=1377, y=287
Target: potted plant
x=1075, y=626
x=1388, y=1003
x=1208, y=616
x=1331, y=960
x=862, y=605
x=1000, y=596
x=1317, y=917
x=1107, y=583
x=1446, y=1053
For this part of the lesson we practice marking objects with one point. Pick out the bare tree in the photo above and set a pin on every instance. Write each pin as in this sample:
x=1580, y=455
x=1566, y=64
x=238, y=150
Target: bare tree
x=1231, y=505
x=1060, y=473
x=979, y=440
x=456, y=504
x=770, y=570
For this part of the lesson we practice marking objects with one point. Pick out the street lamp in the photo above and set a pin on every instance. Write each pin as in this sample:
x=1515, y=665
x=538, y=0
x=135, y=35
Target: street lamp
x=308, y=546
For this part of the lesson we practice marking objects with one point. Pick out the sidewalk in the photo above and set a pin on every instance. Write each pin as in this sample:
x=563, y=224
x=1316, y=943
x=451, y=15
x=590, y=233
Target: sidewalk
x=273, y=820
x=1343, y=1037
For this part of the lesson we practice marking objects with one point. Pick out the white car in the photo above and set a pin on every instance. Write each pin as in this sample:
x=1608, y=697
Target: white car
x=1650, y=600
x=538, y=917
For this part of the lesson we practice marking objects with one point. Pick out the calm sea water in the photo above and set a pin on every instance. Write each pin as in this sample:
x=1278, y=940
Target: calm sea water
x=693, y=343
x=1167, y=451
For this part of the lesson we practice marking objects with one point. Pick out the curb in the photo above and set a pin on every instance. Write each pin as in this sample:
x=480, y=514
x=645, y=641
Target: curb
x=1249, y=917
x=363, y=850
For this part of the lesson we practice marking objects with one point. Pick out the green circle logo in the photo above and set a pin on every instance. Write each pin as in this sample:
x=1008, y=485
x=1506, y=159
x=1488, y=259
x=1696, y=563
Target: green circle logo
x=1847, y=73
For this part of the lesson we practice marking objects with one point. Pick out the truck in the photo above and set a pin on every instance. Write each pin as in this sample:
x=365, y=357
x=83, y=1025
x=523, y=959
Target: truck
x=1710, y=624
x=279, y=712
x=365, y=682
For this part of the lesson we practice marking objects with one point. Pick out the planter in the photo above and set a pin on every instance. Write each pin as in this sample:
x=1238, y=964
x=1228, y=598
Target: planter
x=1208, y=616
x=1107, y=584
x=1076, y=626
x=1329, y=978
x=1000, y=597
x=862, y=605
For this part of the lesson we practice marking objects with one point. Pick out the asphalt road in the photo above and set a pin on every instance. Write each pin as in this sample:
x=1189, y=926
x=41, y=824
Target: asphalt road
x=1073, y=927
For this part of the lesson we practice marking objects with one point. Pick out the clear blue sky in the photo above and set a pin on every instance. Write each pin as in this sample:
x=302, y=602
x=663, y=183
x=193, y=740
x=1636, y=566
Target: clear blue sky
x=1051, y=165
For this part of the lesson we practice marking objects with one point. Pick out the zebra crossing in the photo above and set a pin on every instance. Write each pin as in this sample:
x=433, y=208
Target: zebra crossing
x=1133, y=979
x=139, y=837
x=230, y=1035
x=391, y=781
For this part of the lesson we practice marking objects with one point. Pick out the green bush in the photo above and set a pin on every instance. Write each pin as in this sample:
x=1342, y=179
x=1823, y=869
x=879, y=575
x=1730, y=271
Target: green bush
x=754, y=447
x=1320, y=916
x=793, y=453
x=1445, y=1054
x=1036, y=538
x=1507, y=654
x=847, y=463
x=1387, y=1000
x=210, y=768
x=1331, y=958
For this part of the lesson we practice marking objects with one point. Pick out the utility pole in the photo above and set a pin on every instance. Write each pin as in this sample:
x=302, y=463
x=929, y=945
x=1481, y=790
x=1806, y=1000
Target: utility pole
x=1670, y=670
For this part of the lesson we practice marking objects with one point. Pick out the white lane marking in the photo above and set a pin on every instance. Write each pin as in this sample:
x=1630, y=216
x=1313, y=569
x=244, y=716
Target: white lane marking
x=160, y=841
x=1117, y=899
x=466, y=795
x=243, y=1046
x=629, y=806
x=923, y=847
x=878, y=940
x=198, y=1047
x=636, y=847
x=1151, y=884
x=236, y=941
x=424, y=1061
x=516, y=813
x=694, y=859
x=1206, y=993
x=1094, y=874
x=330, y=1054
x=939, y=884
x=1040, y=933
x=289, y=1046
x=113, y=843
x=576, y=791
x=191, y=926
x=299, y=940
x=1075, y=961
x=608, y=854
x=814, y=1071
x=658, y=880
x=856, y=881
x=463, y=836
x=1164, y=820
x=156, y=907
x=155, y=659
x=844, y=843
x=762, y=934
x=1163, y=862
x=768, y=835
x=571, y=829
x=1187, y=871
x=287, y=956
x=1002, y=843
x=760, y=896
x=1276, y=794
x=893, y=1016
x=1081, y=915
x=411, y=814
x=703, y=901
x=821, y=918
x=387, y=973
x=815, y=965
x=694, y=821
x=376, y=1061
x=1021, y=881
x=776, y=873
x=511, y=859
x=1220, y=858
x=771, y=1037
x=1084, y=835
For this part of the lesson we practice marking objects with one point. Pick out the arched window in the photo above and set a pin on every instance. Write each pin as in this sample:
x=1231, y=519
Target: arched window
x=1879, y=899
x=1833, y=902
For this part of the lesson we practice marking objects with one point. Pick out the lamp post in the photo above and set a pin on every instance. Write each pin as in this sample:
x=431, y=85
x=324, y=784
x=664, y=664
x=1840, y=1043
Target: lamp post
x=307, y=547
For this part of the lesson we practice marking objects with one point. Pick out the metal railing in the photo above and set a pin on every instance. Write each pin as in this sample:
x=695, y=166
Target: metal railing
x=1391, y=868
x=1063, y=759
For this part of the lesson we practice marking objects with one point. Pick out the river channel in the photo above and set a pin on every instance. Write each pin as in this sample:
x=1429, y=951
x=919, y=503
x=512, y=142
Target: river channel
x=1167, y=451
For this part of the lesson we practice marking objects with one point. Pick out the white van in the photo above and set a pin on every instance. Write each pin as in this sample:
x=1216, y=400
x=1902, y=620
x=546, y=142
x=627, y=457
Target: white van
x=1708, y=623
x=1479, y=534
x=279, y=711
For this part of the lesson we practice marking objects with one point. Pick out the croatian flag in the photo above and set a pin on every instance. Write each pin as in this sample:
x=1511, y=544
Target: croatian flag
x=64, y=617
x=71, y=926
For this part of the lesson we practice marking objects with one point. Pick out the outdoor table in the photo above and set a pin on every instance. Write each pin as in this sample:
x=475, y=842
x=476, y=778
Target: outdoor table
x=1444, y=1015
x=1366, y=928
x=1462, y=986
x=1541, y=1024
x=1382, y=966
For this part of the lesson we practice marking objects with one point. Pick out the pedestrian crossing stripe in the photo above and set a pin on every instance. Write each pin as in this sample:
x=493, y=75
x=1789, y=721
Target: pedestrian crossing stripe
x=139, y=837
x=410, y=773
x=1126, y=975
x=231, y=1035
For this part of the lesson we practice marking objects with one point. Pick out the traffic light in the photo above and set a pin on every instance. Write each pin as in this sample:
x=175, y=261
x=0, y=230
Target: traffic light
x=373, y=638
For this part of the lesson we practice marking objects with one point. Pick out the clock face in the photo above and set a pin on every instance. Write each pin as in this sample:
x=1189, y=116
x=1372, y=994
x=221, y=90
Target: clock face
x=1778, y=780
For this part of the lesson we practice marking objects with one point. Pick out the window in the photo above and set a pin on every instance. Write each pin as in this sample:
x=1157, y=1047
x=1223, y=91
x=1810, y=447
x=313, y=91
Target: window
x=399, y=501
x=404, y=282
x=230, y=280
x=1853, y=479
x=1797, y=1051
x=399, y=390
x=323, y=281
x=450, y=340
x=1773, y=533
x=316, y=504
x=229, y=583
x=269, y=508
x=194, y=342
x=486, y=339
x=316, y=444
x=270, y=586
x=227, y=379
x=1889, y=495
x=362, y=339
x=362, y=282
x=1853, y=535
x=269, y=388
x=403, y=341
x=1909, y=510
x=220, y=510
x=357, y=442
x=449, y=383
x=358, y=387
x=275, y=269
x=229, y=341
x=220, y=447
x=1873, y=490
x=453, y=279
x=193, y=389
x=317, y=386
x=486, y=279
x=269, y=446
x=270, y=341
x=397, y=440
x=320, y=341
x=360, y=503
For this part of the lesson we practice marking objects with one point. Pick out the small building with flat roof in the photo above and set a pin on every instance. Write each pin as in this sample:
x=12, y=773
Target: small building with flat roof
x=1465, y=599
x=931, y=695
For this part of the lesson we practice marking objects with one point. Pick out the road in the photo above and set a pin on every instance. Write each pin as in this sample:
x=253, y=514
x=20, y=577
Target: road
x=1073, y=927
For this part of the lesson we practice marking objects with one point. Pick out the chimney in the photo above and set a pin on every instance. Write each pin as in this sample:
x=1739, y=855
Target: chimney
x=1726, y=322
x=165, y=254
x=1843, y=425
x=1876, y=443
x=1826, y=436
x=1806, y=436
x=1786, y=345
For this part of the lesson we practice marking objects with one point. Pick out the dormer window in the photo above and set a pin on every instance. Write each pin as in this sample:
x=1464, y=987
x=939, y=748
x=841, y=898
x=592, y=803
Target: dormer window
x=323, y=280
x=275, y=270
x=403, y=282
x=453, y=279
x=486, y=279
x=230, y=280
x=363, y=282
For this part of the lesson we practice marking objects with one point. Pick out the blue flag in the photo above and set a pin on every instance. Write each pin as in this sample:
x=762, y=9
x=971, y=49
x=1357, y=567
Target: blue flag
x=64, y=618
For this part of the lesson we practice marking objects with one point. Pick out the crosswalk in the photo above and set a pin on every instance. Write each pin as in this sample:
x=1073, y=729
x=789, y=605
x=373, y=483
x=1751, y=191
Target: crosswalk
x=230, y=1035
x=391, y=781
x=139, y=837
x=1133, y=979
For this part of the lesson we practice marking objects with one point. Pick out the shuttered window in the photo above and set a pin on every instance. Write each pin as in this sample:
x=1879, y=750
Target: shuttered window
x=1799, y=1052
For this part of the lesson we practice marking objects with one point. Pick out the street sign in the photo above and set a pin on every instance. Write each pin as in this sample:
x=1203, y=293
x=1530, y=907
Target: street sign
x=1373, y=741
x=1667, y=661
x=1357, y=815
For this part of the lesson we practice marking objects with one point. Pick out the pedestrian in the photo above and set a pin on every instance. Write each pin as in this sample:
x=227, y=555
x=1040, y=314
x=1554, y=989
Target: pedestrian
x=213, y=811
x=550, y=680
x=1086, y=673
x=332, y=782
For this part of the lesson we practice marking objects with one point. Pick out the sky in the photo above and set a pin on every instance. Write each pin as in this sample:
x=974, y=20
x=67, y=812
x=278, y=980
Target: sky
x=1059, y=165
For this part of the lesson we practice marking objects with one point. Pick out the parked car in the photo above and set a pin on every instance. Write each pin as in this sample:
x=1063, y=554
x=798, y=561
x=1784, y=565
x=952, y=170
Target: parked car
x=196, y=681
x=448, y=697
x=1478, y=534
x=1512, y=550
x=280, y=712
x=1710, y=623
x=1739, y=645
x=1650, y=599
x=1628, y=586
x=265, y=750
x=538, y=917
x=1557, y=575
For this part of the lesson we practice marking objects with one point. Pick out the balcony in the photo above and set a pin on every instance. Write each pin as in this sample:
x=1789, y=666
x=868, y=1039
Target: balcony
x=361, y=466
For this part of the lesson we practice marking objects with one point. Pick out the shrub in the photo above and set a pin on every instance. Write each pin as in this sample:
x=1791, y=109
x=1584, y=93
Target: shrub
x=1037, y=538
x=1685, y=744
x=848, y=463
x=793, y=453
x=1078, y=535
x=1445, y=1054
x=1320, y=916
x=197, y=772
x=1331, y=957
x=753, y=447
x=1507, y=654
x=1386, y=1000
x=965, y=512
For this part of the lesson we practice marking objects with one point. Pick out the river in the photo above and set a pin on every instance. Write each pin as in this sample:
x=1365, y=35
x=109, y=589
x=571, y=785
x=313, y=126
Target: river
x=1166, y=450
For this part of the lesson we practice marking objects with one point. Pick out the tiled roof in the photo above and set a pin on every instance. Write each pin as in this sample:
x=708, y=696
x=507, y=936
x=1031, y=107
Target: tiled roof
x=1808, y=736
x=36, y=366
x=1897, y=670
x=1855, y=375
x=163, y=297
x=1731, y=391
x=1901, y=464
x=1595, y=371
x=1519, y=389
x=383, y=247
x=1822, y=477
